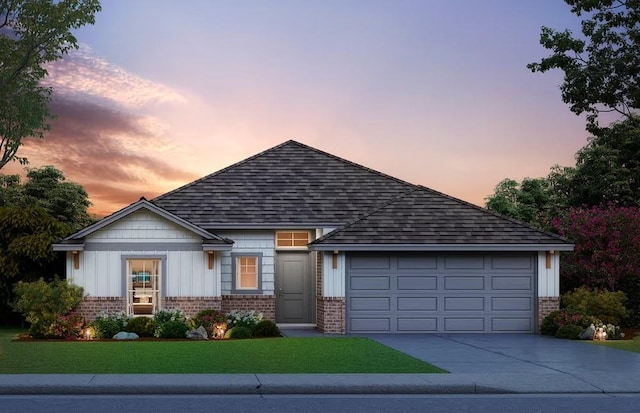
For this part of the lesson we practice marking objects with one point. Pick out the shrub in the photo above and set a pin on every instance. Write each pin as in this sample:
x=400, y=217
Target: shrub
x=605, y=305
x=172, y=329
x=170, y=324
x=42, y=303
x=266, y=328
x=239, y=318
x=238, y=332
x=142, y=326
x=69, y=327
x=570, y=331
x=107, y=325
x=207, y=319
x=560, y=318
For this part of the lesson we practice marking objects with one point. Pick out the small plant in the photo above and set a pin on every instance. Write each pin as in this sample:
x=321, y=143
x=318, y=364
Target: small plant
x=107, y=325
x=207, y=319
x=170, y=324
x=42, y=303
x=238, y=333
x=266, y=328
x=570, y=331
x=560, y=318
x=239, y=318
x=69, y=327
x=605, y=305
x=142, y=326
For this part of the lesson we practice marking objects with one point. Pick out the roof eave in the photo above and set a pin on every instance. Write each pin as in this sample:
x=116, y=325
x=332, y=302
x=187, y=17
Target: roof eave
x=441, y=247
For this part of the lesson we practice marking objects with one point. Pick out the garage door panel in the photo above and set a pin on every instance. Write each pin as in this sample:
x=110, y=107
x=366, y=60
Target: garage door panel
x=511, y=304
x=371, y=283
x=380, y=324
x=417, y=303
x=370, y=304
x=511, y=325
x=464, y=303
x=511, y=283
x=467, y=325
x=473, y=293
x=417, y=283
x=413, y=325
x=464, y=283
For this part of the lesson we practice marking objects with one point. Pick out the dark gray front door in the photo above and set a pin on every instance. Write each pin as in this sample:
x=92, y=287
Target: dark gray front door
x=294, y=288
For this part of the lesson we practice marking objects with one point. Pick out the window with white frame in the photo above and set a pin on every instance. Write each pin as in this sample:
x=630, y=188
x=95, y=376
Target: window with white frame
x=247, y=273
x=292, y=239
x=143, y=285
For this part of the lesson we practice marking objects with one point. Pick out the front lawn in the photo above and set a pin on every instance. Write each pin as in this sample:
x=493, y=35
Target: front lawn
x=273, y=355
x=629, y=345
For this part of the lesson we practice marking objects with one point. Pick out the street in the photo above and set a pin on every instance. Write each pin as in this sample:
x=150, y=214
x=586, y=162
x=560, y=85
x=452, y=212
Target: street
x=329, y=403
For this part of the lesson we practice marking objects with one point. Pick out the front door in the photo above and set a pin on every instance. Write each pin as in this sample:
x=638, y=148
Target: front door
x=294, y=286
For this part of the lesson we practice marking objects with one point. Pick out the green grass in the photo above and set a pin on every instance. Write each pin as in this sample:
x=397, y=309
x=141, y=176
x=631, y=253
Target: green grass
x=275, y=355
x=628, y=345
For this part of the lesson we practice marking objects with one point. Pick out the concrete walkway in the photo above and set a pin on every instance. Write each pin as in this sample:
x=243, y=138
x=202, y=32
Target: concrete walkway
x=479, y=364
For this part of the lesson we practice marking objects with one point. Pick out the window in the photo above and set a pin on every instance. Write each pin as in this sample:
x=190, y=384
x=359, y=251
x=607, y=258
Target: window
x=247, y=273
x=143, y=286
x=292, y=239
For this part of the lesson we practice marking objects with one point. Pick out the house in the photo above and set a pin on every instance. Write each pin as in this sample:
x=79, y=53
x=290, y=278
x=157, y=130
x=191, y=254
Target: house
x=307, y=237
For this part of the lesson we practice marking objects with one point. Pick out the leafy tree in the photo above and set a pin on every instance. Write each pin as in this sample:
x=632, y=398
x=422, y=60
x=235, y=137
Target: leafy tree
x=601, y=66
x=33, y=33
x=606, y=254
x=47, y=187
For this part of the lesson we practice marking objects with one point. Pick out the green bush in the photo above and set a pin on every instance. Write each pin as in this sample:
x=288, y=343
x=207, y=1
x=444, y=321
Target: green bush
x=142, y=326
x=172, y=329
x=41, y=303
x=239, y=318
x=207, y=319
x=561, y=318
x=570, y=331
x=107, y=325
x=238, y=332
x=170, y=324
x=607, y=306
x=266, y=328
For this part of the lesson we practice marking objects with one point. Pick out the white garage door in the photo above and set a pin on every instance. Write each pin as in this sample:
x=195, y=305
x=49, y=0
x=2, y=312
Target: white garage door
x=453, y=293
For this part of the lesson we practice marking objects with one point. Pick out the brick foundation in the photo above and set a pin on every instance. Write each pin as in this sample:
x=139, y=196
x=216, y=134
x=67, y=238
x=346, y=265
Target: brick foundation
x=191, y=305
x=89, y=307
x=545, y=306
x=265, y=304
x=331, y=315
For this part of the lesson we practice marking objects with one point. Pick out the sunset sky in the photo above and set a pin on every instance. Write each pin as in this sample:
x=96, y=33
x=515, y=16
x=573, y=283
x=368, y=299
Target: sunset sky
x=432, y=92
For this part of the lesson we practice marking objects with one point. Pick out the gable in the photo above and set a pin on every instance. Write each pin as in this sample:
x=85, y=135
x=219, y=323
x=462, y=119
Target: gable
x=288, y=185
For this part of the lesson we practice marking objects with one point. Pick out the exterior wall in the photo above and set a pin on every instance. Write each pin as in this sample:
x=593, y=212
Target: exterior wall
x=545, y=306
x=548, y=278
x=265, y=304
x=333, y=280
x=331, y=315
x=89, y=307
x=191, y=305
x=247, y=242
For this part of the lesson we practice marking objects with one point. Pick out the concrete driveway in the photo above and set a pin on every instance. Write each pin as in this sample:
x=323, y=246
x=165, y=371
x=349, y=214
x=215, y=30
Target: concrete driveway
x=523, y=357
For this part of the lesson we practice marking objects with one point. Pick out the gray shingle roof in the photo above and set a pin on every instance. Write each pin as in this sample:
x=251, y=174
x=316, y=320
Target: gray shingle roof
x=290, y=184
x=425, y=217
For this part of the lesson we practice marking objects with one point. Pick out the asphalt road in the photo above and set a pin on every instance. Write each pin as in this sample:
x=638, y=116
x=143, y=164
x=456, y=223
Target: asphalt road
x=330, y=403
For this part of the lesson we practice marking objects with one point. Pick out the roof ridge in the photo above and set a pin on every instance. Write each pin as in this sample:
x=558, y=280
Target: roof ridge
x=220, y=171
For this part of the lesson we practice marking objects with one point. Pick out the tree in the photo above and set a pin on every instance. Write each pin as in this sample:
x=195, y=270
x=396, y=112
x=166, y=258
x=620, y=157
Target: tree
x=33, y=33
x=46, y=187
x=600, y=70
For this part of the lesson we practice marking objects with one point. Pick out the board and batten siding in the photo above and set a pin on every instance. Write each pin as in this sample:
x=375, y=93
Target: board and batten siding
x=548, y=278
x=247, y=242
x=138, y=235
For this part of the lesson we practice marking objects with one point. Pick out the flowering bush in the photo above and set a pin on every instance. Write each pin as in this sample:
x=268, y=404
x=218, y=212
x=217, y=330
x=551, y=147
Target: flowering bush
x=107, y=325
x=170, y=324
x=68, y=326
x=239, y=318
x=207, y=319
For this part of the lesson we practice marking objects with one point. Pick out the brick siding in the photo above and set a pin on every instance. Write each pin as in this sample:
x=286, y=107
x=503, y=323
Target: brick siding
x=265, y=304
x=89, y=307
x=545, y=306
x=331, y=315
x=191, y=305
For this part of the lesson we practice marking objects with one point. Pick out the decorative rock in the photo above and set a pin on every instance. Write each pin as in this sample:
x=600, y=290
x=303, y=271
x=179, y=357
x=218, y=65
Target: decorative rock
x=123, y=335
x=588, y=333
x=198, y=334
